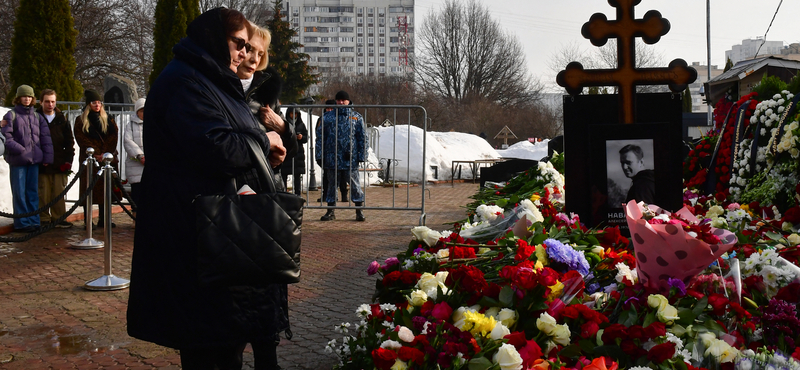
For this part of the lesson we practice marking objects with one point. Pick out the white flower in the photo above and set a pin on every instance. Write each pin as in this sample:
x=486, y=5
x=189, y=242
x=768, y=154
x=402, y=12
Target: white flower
x=405, y=334
x=342, y=328
x=330, y=346
x=363, y=311
x=722, y=351
x=426, y=235
x=391, y=344
x=561, y=334
x=399, y=365
x=417, y=298
x=443, y=253
x=499, y=331
x=427, y=281
x=623, y=271
x=488, y=212
x=507, y=316
x=546, y=323
x=508, y=358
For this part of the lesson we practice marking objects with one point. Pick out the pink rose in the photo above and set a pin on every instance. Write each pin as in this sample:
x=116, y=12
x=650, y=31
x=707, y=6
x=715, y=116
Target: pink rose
x=373, y=268
x=442, y=311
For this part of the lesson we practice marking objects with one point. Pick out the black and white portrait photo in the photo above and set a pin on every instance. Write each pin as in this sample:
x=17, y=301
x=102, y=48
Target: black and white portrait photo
x=629, y=169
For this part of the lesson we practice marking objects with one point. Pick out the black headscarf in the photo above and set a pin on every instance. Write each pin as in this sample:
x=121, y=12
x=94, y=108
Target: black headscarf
x=208, y=32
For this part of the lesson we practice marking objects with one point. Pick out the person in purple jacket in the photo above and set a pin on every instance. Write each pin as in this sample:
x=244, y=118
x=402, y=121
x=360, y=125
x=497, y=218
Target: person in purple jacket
x=28, y=145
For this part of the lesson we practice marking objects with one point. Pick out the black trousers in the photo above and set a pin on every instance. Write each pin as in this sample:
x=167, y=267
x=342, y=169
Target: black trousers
x=230, y=358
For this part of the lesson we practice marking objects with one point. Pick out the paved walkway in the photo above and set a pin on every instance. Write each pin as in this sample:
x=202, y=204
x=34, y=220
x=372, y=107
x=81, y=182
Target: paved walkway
x=47, y=320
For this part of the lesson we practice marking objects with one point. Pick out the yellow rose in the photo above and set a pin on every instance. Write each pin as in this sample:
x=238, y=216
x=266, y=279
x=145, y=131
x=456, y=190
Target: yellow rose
x=546, y=323
x=417, y=298
x=508, y=358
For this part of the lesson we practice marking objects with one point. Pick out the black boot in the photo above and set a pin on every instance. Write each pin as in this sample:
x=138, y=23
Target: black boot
x=329, y=215
x=359, y=215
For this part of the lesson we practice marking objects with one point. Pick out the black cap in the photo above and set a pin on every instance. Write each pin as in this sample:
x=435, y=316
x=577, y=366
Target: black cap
x=342, y=95
x=330, y=102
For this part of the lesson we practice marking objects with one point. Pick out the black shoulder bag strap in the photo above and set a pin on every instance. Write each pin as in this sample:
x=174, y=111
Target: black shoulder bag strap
x=265, y=174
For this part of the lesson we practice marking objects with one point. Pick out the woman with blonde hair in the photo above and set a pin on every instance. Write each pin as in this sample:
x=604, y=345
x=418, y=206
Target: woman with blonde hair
x=95, y=129
x=262, y=86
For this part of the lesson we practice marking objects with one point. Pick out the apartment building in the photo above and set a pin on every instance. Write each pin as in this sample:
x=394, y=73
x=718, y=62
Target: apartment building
x=694, y=88
x=748, y=48
x=356, y=37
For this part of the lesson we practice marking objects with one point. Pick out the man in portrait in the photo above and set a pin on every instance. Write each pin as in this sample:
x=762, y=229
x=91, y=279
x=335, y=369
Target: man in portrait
x=643, y=188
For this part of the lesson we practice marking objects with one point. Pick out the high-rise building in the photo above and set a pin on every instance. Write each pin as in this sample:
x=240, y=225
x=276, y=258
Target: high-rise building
x=355, y=37
x=694, y=88
x=748, y=48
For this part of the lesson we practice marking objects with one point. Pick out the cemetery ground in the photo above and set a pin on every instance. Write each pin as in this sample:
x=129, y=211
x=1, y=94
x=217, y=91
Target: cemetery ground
x=48, y=321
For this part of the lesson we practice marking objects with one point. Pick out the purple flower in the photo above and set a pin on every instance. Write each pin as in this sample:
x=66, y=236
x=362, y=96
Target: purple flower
x=418, y=251
x=565, y=254
x=374, y=266
x=677, y=284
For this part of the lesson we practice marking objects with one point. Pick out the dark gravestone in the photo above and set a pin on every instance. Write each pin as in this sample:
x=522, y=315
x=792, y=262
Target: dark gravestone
x=504, y=171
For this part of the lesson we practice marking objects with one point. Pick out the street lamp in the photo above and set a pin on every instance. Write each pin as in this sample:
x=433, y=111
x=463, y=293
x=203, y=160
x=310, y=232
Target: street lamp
x=312, y=181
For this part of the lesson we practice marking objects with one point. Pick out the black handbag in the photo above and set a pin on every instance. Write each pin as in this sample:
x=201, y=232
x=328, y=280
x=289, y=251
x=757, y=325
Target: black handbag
x=250, y=240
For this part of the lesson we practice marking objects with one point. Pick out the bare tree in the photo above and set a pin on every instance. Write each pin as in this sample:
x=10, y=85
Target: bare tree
x=256, y=11
x=464, y=54
x=605, y=57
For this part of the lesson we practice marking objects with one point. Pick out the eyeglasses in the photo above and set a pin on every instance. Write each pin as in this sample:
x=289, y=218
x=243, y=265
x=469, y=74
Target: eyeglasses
x=240, y=43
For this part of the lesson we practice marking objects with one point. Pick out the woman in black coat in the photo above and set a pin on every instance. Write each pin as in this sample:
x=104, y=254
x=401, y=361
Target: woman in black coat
x=296, y=165
x=197, y=124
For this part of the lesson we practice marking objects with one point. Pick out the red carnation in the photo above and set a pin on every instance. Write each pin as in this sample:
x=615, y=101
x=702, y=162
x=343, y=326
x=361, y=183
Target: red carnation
x=409, y=278
x=719, y=302
x=661, y=352
x=589, y=329
x=655, y=330
x=384, y=358
x=409, y=354
x=613, y=332
x=462, y=252
x=391, y=278
x=469, y=277
x=442, y=311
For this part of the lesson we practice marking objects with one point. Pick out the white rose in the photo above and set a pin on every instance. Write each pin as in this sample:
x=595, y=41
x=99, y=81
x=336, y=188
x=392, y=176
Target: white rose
x=546, y=323
x=719, y=222
x=427, y=281
x=499, y=331
x=508, y=358
x=426, y=235
x=441, y=276
x=794, y=239
x=492, y=311
x=443, y=253
x=405, y=334
x=714, y=211
x=561, y=334
x=399, y=365
x=722, y=351
x=417, y=298
x=391, y=344
x=507, y=316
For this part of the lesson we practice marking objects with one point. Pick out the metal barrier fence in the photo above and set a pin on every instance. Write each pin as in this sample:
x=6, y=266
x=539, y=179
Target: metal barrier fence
x=392, y=134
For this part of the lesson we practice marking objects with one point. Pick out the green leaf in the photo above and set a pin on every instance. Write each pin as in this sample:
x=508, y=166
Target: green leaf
x=501, y=202
x=773, y=235
x=538, y=239
x=687, y=316
x=479, y=363
x=506, y=296
x=587, y=345
x=649, y=319
x=628, y=317
x=700, y=306
x=612, y=351
x=571, y=351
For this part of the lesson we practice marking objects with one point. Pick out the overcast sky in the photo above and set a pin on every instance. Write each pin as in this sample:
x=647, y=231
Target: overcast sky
x=544, y=27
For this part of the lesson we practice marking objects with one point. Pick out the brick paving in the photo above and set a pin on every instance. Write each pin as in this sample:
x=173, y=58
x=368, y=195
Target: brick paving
x=48, y=321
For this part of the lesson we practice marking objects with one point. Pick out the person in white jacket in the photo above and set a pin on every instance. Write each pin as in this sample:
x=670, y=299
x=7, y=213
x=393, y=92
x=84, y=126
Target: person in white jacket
x=134, y=146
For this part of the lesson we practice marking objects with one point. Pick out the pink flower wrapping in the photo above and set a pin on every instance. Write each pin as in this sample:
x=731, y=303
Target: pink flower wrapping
x=666, y=251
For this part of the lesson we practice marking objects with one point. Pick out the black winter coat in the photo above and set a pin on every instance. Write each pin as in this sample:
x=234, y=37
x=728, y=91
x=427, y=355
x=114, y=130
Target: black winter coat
x=192, y=150
x=299, y=159
x=265, y=91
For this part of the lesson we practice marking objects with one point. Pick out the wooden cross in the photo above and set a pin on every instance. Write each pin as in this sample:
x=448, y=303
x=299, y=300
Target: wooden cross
x=626, y=76
x=506, y=133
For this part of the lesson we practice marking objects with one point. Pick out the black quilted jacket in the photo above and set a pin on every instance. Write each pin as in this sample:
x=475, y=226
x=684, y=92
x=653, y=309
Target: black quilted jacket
x=192, y=150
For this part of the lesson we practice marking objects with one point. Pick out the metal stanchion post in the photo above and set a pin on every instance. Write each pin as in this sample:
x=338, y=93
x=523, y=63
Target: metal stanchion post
x=108, y=281
x=89, y=242
x=312, y=176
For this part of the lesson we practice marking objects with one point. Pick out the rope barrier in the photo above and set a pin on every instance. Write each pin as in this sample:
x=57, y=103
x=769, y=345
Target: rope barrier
x=52, y=224
x=52, y=202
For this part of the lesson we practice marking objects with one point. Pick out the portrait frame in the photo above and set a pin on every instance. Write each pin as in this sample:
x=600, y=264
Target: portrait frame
x=590, y=127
